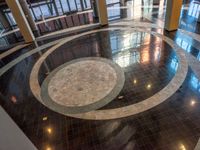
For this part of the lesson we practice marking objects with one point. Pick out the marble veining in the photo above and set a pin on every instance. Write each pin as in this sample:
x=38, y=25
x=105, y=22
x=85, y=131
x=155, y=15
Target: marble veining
x=82, y=83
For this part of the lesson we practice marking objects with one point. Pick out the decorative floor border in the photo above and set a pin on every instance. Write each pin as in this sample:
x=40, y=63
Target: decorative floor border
x=12, y=50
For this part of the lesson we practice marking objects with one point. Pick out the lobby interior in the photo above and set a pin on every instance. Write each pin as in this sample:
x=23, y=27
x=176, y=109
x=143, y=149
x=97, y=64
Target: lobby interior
x=99, y=74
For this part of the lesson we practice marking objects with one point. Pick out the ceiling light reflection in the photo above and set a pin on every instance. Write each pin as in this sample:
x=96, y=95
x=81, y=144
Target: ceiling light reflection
x=120, y=97
x=134, y=81
x=148, y=86
x=44, y=118
x=13, y=99
x=192, y=102
x=182, y=147
x=49, y=130
x=48, y=148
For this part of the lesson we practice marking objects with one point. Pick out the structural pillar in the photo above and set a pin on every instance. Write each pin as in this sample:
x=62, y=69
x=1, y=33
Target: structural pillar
x=102, y=9
x=20, y=19
x=172, y=16
x=28, y=16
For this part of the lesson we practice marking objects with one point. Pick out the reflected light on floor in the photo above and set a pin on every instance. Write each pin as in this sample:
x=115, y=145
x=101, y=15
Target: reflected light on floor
x=148, y=86
x=48, y=148
x=134, y=81
x=145, y=57
x=44, y=118
x=156, y=54
x=182, y=147
x=192, y=102
x=120, y=97
x=13, y=99
x=49, y=130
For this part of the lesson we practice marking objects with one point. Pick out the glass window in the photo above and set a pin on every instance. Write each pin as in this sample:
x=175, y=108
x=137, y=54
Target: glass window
x=10, y=18
x=72, y=5
x=37, y=12
x=59, y=7
x=46, y=11
x=88, y=5
x=64, y=5
x=113, y=13
x=78, y=4
x=112, y=1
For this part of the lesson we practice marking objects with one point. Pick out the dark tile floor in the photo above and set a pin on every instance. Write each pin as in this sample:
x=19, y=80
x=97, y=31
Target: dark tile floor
x=149, y=64
x=166, y=127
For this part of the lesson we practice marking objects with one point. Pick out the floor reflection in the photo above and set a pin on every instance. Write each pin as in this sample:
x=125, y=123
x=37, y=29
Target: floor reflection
x=149, y=64
x=138, y=53
x=168, y=123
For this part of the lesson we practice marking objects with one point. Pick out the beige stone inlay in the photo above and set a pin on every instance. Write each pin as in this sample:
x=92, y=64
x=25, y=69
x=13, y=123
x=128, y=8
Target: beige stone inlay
x=12, y=50
x=82, y=83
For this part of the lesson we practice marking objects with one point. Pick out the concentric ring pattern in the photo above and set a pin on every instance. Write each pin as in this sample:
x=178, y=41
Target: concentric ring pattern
x=124, y=111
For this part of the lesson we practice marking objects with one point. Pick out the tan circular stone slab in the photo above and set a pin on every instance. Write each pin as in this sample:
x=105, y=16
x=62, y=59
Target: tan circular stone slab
x=82, y=85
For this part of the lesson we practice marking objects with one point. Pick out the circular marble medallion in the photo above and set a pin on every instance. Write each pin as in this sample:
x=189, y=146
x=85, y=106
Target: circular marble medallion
x=82, y=85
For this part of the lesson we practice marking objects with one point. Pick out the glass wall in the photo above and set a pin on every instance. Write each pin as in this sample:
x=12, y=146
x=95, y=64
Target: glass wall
x=3, y=41
x=53, y=15
x=10, y=18
x=118, y=9
x=51, y=8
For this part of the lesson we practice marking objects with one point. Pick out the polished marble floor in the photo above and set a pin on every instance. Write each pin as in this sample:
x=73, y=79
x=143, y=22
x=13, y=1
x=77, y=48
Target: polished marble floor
x=149, y=64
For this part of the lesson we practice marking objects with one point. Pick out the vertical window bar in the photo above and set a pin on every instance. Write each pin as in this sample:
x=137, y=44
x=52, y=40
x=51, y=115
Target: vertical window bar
x=85, y=4
x=40, y=10
x=76, y=5
x=69, y=5
x=82, y=6
x=49, y=7
x=61, y=6
x=30, y=6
